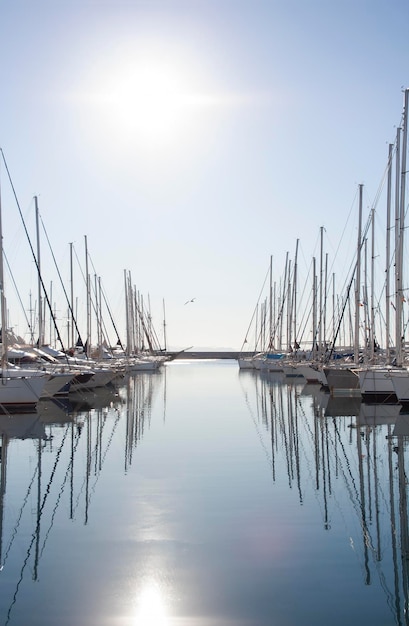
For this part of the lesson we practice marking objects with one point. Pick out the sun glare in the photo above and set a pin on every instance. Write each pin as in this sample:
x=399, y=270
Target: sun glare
x=149, y=100
x=151, y=607
x=153, y=103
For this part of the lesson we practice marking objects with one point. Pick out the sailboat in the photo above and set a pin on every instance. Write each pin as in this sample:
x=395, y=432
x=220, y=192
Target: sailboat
x=266, y=356
x=377, y=382
x=17, y=391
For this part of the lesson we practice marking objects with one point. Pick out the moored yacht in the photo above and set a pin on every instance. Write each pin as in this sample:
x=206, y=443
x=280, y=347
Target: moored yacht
x=376, y=383
x=312, y=373
x=342, y=379
x=19, y=391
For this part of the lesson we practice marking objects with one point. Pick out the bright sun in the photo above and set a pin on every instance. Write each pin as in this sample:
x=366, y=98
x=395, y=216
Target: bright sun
x=153, y=103
x=150, y=100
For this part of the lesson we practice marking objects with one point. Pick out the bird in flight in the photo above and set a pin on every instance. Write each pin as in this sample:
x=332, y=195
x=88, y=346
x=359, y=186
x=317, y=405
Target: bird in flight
x=188, y=301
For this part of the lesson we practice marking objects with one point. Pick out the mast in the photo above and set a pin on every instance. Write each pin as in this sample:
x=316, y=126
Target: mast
x=372, y=313
x=402, y=214
x=324, y=313
x=398, y=302
x=273, y=338
x=282, y=304
x=88, y=290
x=320, y=302
x=388, y=255
x=98, y=307
x=52, y=314
x=40, y=295
x=263, y=326
x=364, y=302
x=128, y=343
x=31, y=311
x=270, y=333
x=333, y=308
x=289, y=308
x=72, y=342
x=295, y=294
x=2, y=298
x=256, y=346
x=358, y=279
x=314, y=309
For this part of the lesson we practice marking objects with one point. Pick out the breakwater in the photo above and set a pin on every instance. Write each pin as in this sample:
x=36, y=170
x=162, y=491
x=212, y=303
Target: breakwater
x=208, y=354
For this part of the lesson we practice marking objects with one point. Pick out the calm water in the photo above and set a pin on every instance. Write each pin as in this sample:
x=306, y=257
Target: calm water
x=204, y=496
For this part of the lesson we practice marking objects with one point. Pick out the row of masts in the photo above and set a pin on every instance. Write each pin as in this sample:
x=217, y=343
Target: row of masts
x=356, y=319
x=43, y=314
x=140, y=333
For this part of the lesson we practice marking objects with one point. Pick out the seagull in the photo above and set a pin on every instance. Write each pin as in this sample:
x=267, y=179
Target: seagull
x=192, y=300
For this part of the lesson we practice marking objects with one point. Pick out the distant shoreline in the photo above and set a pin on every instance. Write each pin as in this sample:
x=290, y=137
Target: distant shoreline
x=207, y=354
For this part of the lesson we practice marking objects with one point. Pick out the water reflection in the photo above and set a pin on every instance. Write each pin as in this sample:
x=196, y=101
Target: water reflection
x=54, y=459
x=201, y=496
x=151, y=606
x=356, y=457
x=140, y=391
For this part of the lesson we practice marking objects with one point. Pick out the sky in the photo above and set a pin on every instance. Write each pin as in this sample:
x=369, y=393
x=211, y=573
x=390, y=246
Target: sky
x=186, y=143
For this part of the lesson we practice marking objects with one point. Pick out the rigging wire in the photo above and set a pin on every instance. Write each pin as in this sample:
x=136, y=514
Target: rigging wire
x=60, y=277
x=32, y=252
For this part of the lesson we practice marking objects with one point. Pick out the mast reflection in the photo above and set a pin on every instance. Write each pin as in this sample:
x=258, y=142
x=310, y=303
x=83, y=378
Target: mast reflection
x=70, y=442
x=352, y=455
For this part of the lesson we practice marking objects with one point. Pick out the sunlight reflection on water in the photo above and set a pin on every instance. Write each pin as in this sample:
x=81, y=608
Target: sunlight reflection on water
x=152, y=607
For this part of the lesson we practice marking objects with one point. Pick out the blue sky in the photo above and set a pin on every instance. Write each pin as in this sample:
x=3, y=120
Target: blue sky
x=189, y=141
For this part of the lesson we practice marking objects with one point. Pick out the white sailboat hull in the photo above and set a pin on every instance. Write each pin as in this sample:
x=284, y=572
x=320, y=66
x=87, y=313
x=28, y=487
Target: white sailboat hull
x=342, y=381
x=400, y=382
x=311, y=374
x=20, y=391
x=376, y=384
